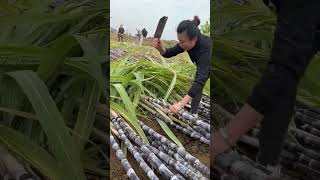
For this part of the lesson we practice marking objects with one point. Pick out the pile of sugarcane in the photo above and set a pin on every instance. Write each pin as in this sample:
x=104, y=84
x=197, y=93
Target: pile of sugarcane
x=183, y=121
x=233, y=166
x=159, y=159
x=300, y=155
x=204, y=108
x=11, y=168
x=116, y=54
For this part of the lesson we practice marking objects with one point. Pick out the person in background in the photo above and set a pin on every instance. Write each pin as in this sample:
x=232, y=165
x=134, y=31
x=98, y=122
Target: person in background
x=199, y=48
x=120, y=33
x=272, y=101
x=144, y=33
x=139, y=37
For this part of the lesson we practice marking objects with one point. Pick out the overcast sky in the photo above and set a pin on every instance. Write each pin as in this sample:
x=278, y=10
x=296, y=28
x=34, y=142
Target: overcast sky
x=146, y=14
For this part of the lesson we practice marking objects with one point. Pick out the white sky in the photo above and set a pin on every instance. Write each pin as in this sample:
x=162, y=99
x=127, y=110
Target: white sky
x=146, y=14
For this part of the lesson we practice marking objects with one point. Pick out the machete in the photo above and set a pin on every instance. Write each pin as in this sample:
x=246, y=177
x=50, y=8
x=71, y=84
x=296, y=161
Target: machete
x=161, y=24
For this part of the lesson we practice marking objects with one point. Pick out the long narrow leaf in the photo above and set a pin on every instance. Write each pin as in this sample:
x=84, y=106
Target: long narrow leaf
x=60, y=141
x=87, y=112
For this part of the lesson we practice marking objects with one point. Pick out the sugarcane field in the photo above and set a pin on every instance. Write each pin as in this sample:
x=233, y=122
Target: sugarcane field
x=159, y=90
x=154, y=143
x=53, y=99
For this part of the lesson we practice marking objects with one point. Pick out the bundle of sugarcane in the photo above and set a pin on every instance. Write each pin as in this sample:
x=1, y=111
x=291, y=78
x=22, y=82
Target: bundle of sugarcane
x=124, y=162
x=308, y=120
x=231, y=165
x=180, y=150
x=116, y=54
x=184, y=115
x=193, y=127
x=10, y=168
x=188, y=173
x=179, y=169
x=205, y=103
x=204, y=108
x=161, y=113
x=143, y=165
x=175, y=161
x=291, y=150
x=175, y=155
x=294, y=155
x=147, y=153
x=300, y=157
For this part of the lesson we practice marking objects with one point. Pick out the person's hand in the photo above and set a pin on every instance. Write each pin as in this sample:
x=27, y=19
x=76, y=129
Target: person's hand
x=175, y=108
x=156, y=43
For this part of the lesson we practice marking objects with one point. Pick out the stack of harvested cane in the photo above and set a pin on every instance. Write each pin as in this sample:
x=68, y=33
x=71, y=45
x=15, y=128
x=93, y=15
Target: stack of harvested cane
x=167, y=159
x=11, y=168
x=300, y=155
x=184, y=121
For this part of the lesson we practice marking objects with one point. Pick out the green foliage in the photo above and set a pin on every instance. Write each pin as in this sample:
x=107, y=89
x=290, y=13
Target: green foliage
x=205, y=29
x=52, y=74
x=243, y=35
x=168, y=79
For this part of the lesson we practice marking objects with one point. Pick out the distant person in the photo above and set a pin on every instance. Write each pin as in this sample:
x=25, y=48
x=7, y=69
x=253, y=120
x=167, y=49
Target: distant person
x=139, y=37
x=120, y=33
x=144, y=33
x=199, y=48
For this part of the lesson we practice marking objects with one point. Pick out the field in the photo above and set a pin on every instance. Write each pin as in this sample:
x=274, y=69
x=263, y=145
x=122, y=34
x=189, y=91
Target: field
x=142, y=86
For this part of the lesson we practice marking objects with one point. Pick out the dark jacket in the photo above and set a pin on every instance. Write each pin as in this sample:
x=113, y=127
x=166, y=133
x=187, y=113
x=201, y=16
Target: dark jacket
x=144, y=32
x=121, y=30
x=272, y=4
x=200, y=55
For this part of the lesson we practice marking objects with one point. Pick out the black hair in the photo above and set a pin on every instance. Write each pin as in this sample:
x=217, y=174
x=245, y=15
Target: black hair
x=191, y=27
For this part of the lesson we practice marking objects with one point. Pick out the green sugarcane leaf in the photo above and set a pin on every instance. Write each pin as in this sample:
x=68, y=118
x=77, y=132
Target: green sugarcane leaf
x=56, y=56
x=61, y=144
x=133, y=120
x=168, y=131
x=87, y=112
x=32, y=153
x=171, y=87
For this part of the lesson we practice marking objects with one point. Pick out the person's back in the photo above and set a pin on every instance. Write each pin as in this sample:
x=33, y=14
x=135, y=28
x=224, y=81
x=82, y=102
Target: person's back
x=144, y=32
x=121, y=30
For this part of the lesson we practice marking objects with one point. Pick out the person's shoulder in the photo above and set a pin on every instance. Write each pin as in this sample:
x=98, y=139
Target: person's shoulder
x=206, y=41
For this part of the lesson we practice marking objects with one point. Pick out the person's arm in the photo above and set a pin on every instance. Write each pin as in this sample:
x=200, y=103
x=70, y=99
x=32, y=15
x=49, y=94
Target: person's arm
x=202, y=74
x=170, y=52
x=167, y=53
x=177, y=106
x=161, y=50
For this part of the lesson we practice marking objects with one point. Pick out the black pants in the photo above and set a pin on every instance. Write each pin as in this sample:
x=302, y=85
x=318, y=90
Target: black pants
x=195, y=102
x=296, y=41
